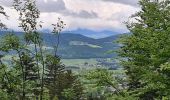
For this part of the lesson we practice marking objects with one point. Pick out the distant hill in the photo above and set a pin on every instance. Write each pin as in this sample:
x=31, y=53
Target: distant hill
x=76, y=46
x=93, y=34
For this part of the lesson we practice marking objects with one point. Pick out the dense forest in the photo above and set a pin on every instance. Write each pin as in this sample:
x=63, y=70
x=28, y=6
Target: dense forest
x=36, y=74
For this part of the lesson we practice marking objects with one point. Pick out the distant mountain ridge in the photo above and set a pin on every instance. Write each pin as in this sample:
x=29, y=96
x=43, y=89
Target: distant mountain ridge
x=93, y=34
x=76, y=46
x=89, y=33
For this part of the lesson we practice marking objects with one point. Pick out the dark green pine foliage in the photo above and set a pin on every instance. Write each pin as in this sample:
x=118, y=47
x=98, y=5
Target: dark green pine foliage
x=5, y=84
x=31, y=75
x=54, y=69
x=58, y=80
x=146, y=51
x=73, y=88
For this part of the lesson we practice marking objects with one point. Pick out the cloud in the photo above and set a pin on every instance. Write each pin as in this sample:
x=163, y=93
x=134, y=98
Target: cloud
x=51, y=5
x=81, y=14
x=86, y=14
x=57, y=6
x=126, y=2
x=60, y=7
x=95, y=15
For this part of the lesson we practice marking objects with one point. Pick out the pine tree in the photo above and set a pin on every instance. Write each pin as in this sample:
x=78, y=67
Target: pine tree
x=31, y=75
x=58, y=80
x=54, y=71
x=146, y=49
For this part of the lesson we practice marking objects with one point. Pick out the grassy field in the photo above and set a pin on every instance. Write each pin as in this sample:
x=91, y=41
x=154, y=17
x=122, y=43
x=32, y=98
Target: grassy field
x=85, y=64
x=79, y=62
x=79, y=65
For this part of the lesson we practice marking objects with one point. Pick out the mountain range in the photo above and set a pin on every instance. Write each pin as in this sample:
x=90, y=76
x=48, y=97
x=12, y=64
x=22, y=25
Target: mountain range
x=76, y=46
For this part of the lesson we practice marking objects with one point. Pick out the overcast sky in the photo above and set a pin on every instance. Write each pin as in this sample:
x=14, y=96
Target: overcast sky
x=95, y=15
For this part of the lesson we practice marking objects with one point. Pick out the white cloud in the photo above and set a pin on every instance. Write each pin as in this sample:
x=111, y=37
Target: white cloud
x=126, y=2
x=12, y=21
x=88, y=14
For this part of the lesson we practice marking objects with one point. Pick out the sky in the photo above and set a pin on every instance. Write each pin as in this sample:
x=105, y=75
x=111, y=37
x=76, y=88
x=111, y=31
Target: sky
x=95, y=15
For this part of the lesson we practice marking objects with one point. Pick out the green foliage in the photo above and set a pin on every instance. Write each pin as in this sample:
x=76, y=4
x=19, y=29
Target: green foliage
x=146, y=51
x=60, y=82
x=29, y=13
x=103, y=77
x=10, y=42
x=68, y=94
x=32, y=74
x=103, y=84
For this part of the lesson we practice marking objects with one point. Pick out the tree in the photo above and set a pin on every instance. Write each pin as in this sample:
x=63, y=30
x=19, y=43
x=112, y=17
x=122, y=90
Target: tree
x=54, y=70
x=146, y=50
x=104, y=84
x=5, y=81
x=29, y=14
x=60, y=82
x=57, y=28
x=33, y=74
x=24, y=66
x=11, y=43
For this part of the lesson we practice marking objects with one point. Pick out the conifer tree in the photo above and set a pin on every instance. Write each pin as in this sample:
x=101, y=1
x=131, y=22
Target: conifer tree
x=28, y=22
x=58, y=80
x=146, y=50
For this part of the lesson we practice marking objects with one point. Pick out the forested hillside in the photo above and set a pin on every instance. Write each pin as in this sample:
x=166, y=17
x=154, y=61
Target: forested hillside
x=75, y=46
